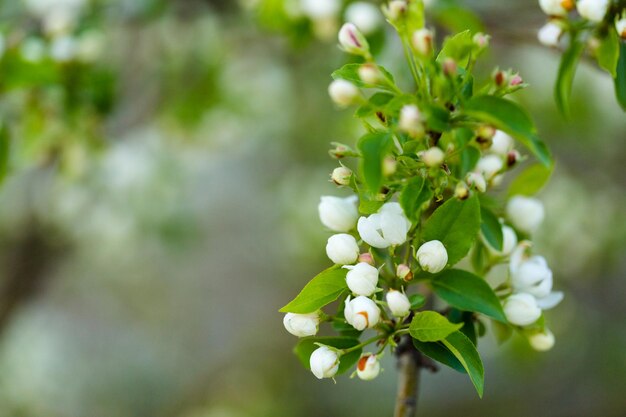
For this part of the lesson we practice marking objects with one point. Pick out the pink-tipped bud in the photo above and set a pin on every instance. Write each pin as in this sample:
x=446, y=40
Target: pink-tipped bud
x=404, y=272
x=481, y=40
x=422, y=41
x=449, y=67
x=370, y=74
x=341, y=176
x=367, y=258
x=352, y=40
x=515, y=80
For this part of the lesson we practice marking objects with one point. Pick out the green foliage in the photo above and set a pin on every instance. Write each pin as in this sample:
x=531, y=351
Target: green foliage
x=509, y=117
x=413, y=196
x=491, y=228
x=350, y=72
x=531, y=180
x=620, y=78
x=307, y=345
x=466, y=291
x=373, y=147
x=465, y=351
x=430, y=326
x=607, y=54
x=455, y=224
x=565, y=76
x=458, y=47
x=325, y=288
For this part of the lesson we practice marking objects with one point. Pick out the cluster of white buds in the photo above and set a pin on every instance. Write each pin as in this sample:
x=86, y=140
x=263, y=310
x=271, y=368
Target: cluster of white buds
x=387, y=227
x=531, y=281
x=499, y=155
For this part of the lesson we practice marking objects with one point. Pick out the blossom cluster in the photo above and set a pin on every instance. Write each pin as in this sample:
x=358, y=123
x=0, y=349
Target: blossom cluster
x=422, y=198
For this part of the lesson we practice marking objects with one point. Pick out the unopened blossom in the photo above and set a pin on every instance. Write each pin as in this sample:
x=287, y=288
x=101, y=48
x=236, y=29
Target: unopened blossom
x=481, y=40
x=324, y=362
x=370, y=74
x=352, y=40
x=411, y=120
x=477, y=181
x=404, y=272
x=489, y=166
x=549, y=34
x=341, y=176
x=531, y=275
x=541, y=341
x=365, y=16
x=338, y=214
x=432, y=157
x=501, y=143
x=368, y=367
x=302, y=325
x=461, y=191
x=343, y=93
x=361, y=312
x=362, y=278
x=432, y=256
x=525, y=213
x=556, y=7
x=387, y=227
x=593, y=10
x=342, y=249
x=367, y=258
x=320, y=9
x=521, y=309
x=620, y=26
x=422, y=41
x=398, y=303
x=509, y=241
x=395, y=10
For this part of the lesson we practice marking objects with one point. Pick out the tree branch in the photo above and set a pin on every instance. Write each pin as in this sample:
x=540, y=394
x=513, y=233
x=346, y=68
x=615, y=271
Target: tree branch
x=409, y=360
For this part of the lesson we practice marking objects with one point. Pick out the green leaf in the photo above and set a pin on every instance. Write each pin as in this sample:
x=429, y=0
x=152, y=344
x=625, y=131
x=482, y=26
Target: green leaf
x=456, y=224
x=375, y=104
x=509, y=117
x=565, y=76
x=456, y=18
x=437, y=117
x=350, y=72
x=430, y=326
x=307, y=345
x=325, y=288
x=608, y=52
x=457, y=47
x=531, y=180
x=439, y=352
x=373, y=146
x=413, y=197
x=465, y=351
x=502, y=331
x=468, y=292
x=491, y=228
x=417, y=301
x=620, y=78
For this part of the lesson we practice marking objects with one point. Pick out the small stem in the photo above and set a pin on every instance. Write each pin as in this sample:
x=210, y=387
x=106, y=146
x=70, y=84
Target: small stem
x=360, y=345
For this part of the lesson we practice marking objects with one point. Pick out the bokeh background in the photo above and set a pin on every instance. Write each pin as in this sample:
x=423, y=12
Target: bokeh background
x=162, y=162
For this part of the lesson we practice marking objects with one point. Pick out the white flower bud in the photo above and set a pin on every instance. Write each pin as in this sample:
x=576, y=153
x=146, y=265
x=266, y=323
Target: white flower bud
x=556, y=7
x=521, y=309
x=63, y=49
x=342, y=249
x=395, y=10
x=324, y=362
x=541, y=341
x=370, y=74
x=593, y=10
x=338, y=214
x=410, y=120
x=398, y=303
x=341, y=176
x=509, y=241
x=387, y=227
x=422, y=41
x=432, y=157
x=320, y=9
x=361, y=313
x=620, y=26
x=489, y=166
x=352, y=40
x=501, y=143
x=525, y=213
x=404, y=272
x=362, y=278
x=481, y=40
x=367, y=258
x=368, y=367
x=532, y=276
x=432, y=256
x=461, y=191
x=549, y=34
x=476, y=180
x=365, y=16
x=343, y=92
x=302, y=325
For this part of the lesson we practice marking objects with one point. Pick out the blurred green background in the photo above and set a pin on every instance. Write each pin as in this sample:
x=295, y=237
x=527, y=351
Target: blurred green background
x=162, y=164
